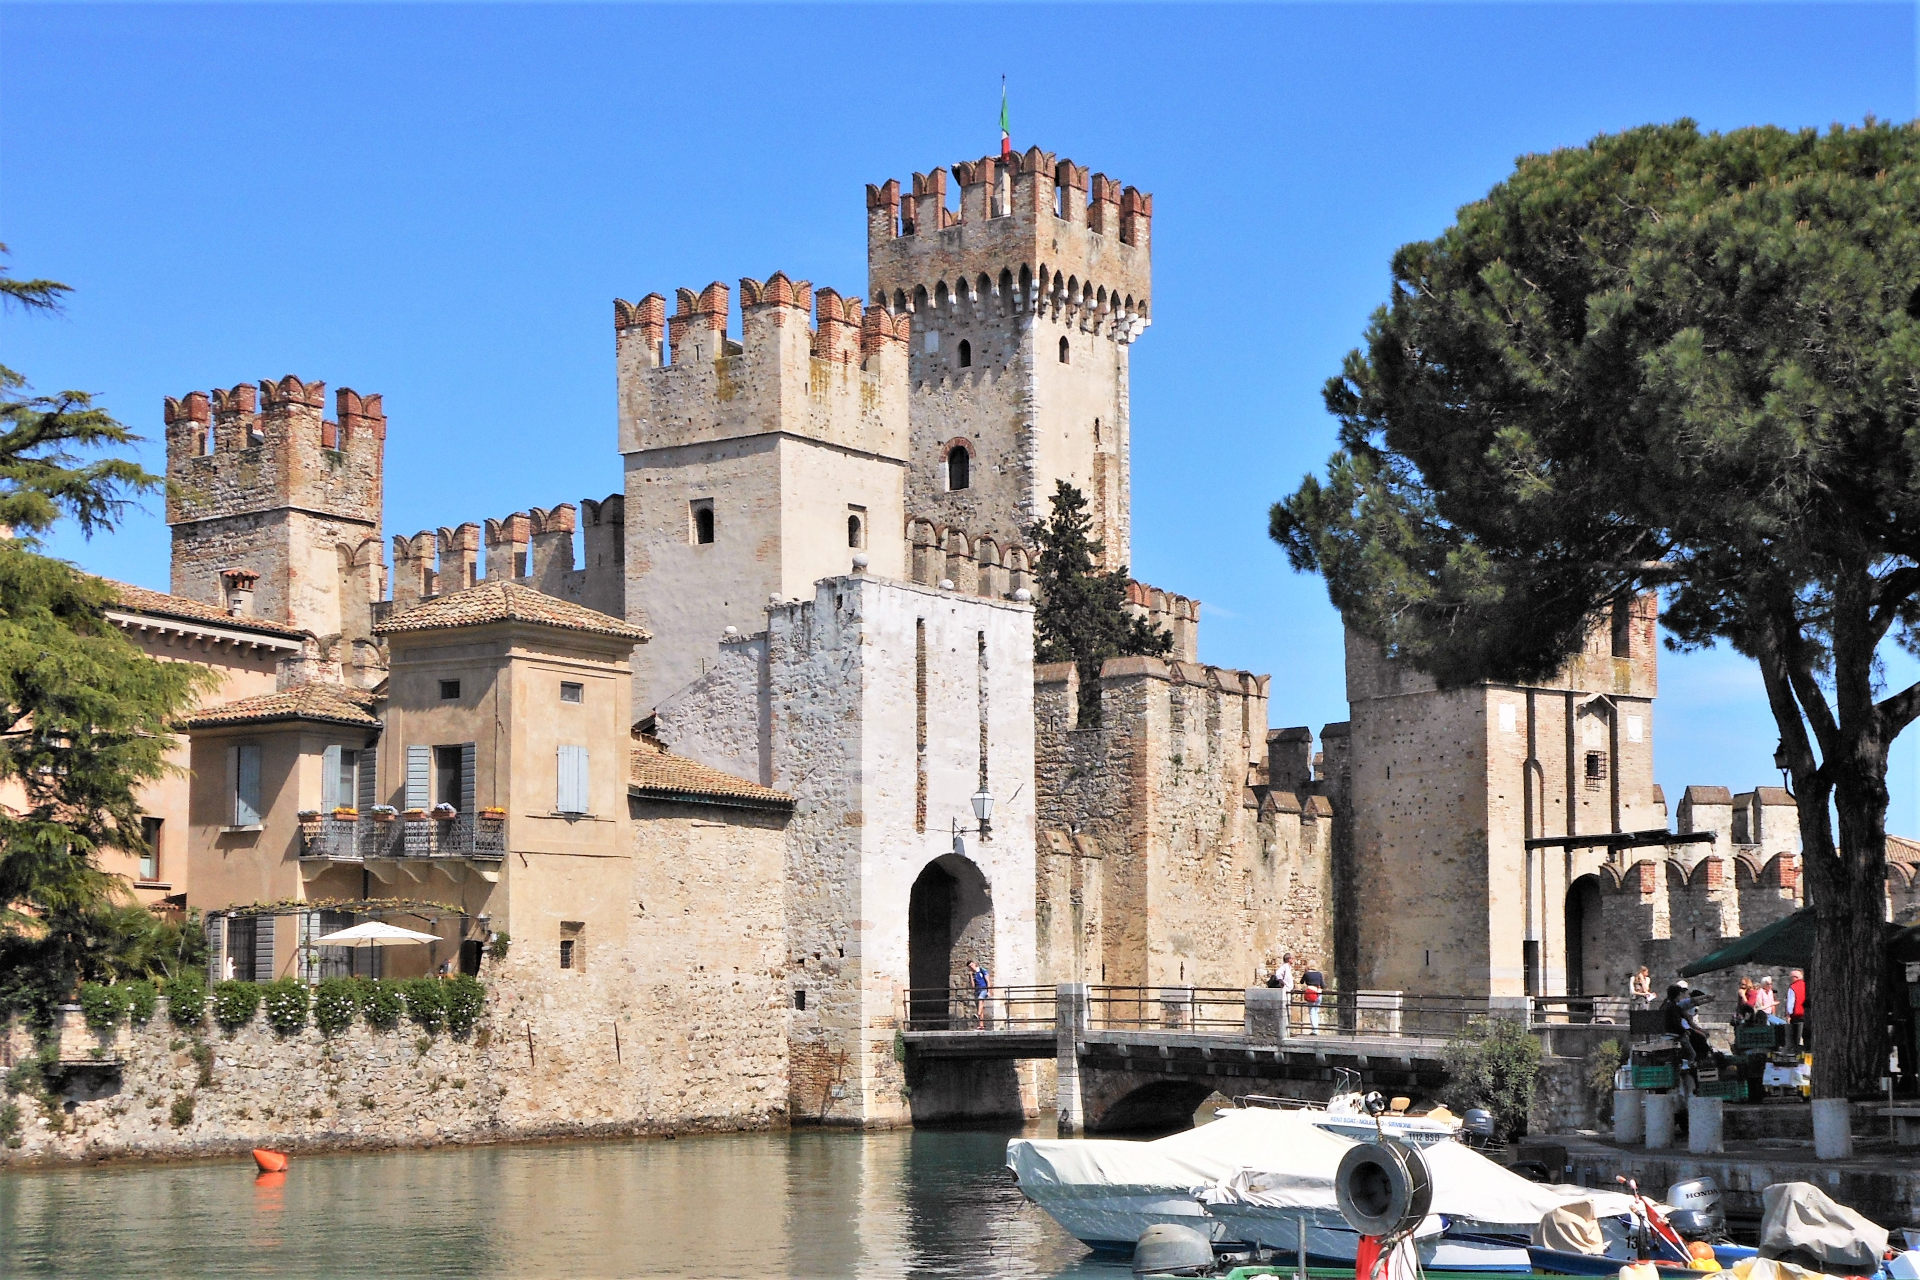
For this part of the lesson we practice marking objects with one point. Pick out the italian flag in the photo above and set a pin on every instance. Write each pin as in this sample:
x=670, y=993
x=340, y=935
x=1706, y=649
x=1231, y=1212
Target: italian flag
x=1006, y=137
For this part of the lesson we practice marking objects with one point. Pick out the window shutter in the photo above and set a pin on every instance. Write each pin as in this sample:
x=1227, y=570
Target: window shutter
x=246, y=790
x=573, y=780
x=263, y=949
x=466, y=777
x=419, y=776
x=330, y=791
x=369, y=779
x=216, y=941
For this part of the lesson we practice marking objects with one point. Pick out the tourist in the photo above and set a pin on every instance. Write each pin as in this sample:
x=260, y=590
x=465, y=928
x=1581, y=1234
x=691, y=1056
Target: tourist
x=1680, y=1021
x=1744, y=1014
x=1801, y=1035
x=1286, y=981
x=1313, y=984
x=1764, y=1004
x=981, y=982
x=1640, y=988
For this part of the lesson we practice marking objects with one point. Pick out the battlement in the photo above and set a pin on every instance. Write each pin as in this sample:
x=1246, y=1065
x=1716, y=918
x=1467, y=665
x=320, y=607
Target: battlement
x=1179, y=616
x=250, y=448
x=534, y=547
x=1057, y=240
x=811, y=362
x=982, y=565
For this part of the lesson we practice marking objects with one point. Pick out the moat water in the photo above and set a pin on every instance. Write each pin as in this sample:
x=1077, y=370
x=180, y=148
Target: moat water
x=909, y=1204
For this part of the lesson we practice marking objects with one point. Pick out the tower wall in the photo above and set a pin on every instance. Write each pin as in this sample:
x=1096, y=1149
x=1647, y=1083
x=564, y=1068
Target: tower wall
x=1038, y=261
x=783, y=437
x=260, y=482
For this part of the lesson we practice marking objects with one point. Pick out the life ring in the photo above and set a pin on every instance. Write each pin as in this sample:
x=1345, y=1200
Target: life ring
x=1383, y=1188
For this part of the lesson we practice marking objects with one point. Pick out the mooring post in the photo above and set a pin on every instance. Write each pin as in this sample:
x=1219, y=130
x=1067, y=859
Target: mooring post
x=1072, y=1010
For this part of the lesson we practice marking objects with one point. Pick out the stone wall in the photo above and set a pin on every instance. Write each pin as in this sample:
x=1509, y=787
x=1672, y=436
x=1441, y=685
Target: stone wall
x=1167, y=855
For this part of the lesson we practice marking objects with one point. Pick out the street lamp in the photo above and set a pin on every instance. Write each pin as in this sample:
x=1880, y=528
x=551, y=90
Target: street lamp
x=1786, y=774
x=983, y=812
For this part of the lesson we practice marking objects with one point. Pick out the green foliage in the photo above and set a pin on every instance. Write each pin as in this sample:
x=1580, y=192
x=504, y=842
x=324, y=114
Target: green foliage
x=235, y=1003
x=464, y=998
x=1493, y=1064
x=181, y=1113
x=1666, y=362
x=142, y=999
x=287, y=1001
x=202, y=1054
x=335, y=1002
x=381, y=1002
x=426, y=1002
x=10, y=1125
x=1081, y=615
x=1602, y=1062
x=186, y=1000
x=497, y=946
x=105, y=1006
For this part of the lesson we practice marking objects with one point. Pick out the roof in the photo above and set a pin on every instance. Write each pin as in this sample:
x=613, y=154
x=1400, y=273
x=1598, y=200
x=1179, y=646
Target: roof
x=486, y=602
x=655, y=773
x=320, y=703
x=159, y=603
x=1706, y=795
x=1772, y=795
x=1901, y=849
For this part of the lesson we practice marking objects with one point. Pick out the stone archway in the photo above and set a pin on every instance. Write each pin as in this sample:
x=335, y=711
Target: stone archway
x=1586, y=948
x=949, y=922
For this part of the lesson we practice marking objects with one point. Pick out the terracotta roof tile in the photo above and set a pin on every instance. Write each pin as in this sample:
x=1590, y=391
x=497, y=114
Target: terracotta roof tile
x=159, y=603
x=325, y=703
x=1901, y=849
x=486, y=602
x=657, y=773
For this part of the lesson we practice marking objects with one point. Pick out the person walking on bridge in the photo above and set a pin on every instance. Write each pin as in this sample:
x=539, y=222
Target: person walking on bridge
x=1313, y=985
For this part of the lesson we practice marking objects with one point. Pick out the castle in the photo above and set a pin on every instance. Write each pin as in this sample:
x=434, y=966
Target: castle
x=756, y=752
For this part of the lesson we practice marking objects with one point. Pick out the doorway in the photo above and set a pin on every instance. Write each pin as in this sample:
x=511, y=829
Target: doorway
x=949, y=922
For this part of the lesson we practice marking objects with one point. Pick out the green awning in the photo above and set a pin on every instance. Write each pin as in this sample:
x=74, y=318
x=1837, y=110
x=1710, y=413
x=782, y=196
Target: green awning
x=1787, y=943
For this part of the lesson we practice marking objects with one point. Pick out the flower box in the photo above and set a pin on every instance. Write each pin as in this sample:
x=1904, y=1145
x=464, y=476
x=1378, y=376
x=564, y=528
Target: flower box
x=445, y=812
x=415, y=815
x=494, y=813
x=309, y=815
x=346, y=811
x=384, y=815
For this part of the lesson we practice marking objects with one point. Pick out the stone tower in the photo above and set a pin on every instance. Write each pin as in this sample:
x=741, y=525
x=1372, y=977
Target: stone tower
x=756, y=467
x=1444, y=790
x=275, y=511
x=1024, y=302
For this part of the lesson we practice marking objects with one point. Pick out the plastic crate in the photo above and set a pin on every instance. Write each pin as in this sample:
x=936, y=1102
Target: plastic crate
x=1762, y=1037
x=1654, y=1077
x=1731, y=1090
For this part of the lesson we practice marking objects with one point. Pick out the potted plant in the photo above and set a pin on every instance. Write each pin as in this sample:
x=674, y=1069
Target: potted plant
x=494, y=813
x=445, y=812
x=415, y=815
x=345, y=812
x=383, y=813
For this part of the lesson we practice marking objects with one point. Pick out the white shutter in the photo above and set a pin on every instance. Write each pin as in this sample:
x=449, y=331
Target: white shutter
x=246, y=785
x=572, y=797
x=419, y=776
x=332, y=795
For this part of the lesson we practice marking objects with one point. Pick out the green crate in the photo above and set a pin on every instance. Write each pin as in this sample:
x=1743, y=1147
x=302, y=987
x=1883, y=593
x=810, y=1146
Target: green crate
x=1761, y=1037
x=1654, y=1077
x=1731, y=1090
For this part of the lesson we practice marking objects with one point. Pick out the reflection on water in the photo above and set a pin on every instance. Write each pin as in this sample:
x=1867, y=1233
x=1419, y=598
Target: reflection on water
x=803, y=1204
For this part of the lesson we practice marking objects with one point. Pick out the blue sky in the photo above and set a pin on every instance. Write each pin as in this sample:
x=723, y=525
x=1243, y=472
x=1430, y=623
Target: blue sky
x=438, y=202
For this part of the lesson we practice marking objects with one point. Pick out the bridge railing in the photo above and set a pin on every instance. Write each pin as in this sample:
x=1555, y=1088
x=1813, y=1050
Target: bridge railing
x=995, y=1009
x=1216, y=1010
x=1575, y=1011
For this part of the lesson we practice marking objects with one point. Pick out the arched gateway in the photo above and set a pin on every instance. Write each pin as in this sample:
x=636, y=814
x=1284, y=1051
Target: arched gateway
x=949, y=922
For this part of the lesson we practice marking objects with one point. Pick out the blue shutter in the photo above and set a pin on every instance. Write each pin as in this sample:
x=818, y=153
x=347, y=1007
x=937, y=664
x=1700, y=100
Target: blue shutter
x=572, y=780
x=246, y=785
x=419, y=776
x=332, y=794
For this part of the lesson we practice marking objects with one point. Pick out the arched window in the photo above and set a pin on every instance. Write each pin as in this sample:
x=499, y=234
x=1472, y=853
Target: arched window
x=702, y=521
x=1064, y=352
x=959, y=463
x=853, y=531
x=966, y=354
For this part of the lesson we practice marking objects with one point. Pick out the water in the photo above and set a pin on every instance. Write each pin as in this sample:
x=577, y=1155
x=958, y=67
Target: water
x=919, y=1204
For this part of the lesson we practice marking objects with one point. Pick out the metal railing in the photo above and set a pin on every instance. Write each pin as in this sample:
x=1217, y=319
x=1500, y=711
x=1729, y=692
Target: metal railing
x=465, y=835
x=960, y=1009
x=1575, y=1011
x=1215, y=1010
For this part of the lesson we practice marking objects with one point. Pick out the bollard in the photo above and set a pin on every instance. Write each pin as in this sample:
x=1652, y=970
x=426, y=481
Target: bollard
x=1832, y=1128
x=1706, y=1126
x=1629, y=1116
x=1660, y=1109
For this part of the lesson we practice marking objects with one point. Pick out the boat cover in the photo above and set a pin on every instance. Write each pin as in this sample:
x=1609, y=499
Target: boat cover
x=1468, y=1189
x=1571, y=1228
x=1798, y=1215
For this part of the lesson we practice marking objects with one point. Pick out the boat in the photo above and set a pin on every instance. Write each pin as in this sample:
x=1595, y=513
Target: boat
x=269, y=1160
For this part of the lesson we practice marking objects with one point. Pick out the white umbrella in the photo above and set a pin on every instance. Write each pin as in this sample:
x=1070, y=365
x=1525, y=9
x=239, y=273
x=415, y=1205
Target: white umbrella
x=373, y=934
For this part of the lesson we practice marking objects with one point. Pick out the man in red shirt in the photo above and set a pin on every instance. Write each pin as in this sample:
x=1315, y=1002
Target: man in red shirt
x=1797, y=1008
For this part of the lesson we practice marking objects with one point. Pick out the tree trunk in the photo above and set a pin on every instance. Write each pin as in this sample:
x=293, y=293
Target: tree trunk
x=1846, y=984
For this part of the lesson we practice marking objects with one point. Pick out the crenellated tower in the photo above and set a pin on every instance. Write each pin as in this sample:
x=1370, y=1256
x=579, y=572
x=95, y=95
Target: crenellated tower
x=754, y=466
x=1024, y=301
x=275, y=510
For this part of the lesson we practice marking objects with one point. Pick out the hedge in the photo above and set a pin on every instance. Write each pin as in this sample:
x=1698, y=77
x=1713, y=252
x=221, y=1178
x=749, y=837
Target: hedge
x=235, y=1002
x=335, y=1002
x=287, y=1002
x=186, y=1000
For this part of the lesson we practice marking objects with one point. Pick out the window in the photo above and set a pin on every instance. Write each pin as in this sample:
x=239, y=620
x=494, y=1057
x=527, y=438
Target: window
x=959, y=462
x=566, y=953
x=449, y=690
x=966, y=354
x=447, y=776
x=701, y=512
x=571, y=691
x=340, y=778
x=1065, y=352
x=800, y=999
x=243, y=772
x=573, y=950
x=150, y=857
x=519, y=564
x=856, y=527
x=1596, y=769
x=572, y=789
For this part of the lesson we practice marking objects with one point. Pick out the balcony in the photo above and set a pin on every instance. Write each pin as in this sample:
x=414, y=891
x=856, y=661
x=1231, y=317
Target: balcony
x=357, y=839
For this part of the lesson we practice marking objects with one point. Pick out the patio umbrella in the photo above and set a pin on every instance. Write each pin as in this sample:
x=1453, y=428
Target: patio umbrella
x=373, y=934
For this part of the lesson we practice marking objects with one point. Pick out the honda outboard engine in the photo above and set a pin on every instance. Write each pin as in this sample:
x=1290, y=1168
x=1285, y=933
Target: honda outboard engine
x=1168, y=1248
x=1691, y=1225
x=1703, y=1196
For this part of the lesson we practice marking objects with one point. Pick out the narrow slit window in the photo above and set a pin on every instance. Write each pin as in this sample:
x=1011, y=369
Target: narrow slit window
x=856, y=537
x=150, y=858
x=966, y=354
x=959, y=467
x=1065, y=352
x=702, y=512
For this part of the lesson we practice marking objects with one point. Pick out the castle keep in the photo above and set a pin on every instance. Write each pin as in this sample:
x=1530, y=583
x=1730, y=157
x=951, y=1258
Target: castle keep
x=722, y=780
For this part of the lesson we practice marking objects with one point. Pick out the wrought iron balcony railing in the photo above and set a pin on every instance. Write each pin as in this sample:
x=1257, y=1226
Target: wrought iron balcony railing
x=465, y=835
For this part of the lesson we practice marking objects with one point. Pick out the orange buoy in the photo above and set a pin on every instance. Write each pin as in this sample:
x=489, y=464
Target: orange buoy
x=270, y=1161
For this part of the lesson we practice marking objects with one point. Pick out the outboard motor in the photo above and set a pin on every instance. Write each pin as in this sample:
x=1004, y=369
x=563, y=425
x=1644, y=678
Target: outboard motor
x=1691, y=1225
x=1703, y=1196
x=1476, y=1127
x=1166, y=1248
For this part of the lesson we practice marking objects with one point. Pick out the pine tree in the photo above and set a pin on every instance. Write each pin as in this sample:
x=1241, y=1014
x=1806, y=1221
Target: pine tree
x=84, y=714
x=1081, y=616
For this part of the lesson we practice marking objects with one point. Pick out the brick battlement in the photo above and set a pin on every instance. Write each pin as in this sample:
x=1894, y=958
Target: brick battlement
x=808, y=361
x=1040, y=235
x=982, y=565
x=534, y=547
